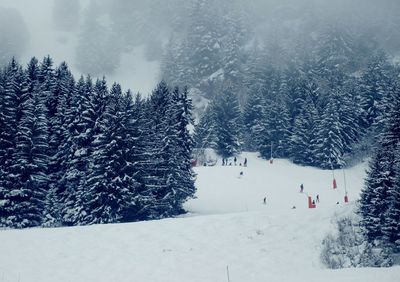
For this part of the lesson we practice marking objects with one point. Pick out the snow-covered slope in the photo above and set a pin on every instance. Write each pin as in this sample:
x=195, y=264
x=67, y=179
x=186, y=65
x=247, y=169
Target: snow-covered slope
x=228, y=229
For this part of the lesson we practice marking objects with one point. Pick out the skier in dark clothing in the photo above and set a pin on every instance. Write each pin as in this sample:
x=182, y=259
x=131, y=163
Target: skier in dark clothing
x=234, y=160
x=245, y=162
x=265, y=200
x=317, y=198
x=301, y=188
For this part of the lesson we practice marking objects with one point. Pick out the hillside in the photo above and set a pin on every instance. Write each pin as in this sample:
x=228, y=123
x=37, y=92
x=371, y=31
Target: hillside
x=228, y=225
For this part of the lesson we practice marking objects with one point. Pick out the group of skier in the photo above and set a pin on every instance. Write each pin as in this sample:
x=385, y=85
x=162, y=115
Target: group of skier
x=226, y=161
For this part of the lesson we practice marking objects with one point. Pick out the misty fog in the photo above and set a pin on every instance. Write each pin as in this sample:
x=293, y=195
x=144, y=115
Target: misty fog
x=126, y=40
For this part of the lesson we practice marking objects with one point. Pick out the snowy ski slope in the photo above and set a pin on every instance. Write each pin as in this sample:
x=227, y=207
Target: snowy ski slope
x=228, y=229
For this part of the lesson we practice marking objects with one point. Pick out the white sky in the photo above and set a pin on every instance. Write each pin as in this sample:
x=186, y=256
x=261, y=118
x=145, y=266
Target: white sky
x=134, y=72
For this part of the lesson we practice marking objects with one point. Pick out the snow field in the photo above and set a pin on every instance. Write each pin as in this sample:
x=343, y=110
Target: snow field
x=228, y=225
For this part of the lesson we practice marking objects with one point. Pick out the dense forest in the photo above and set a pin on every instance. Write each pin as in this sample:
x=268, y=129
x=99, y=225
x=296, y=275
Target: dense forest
x=78, y=152
x=315, y=90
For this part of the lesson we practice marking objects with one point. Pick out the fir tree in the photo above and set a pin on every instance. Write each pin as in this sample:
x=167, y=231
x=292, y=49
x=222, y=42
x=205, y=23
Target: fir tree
x=373, y=87
x=253, y=117
x=227, y=120
x=11, y=112
x=373, y=203
x=80, y=136
x=28, y=175
x=110, y=183
x=155, y=161
x=204, y=136
x=303, y=138
x=179, y=148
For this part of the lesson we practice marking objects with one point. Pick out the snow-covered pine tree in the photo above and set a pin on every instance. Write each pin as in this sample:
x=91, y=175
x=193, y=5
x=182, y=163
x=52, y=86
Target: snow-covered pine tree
x=155, y=162
x=14, y=89
x=63, y=92
x=378, y=204
x=276, y=124
x=329, y=144
x=253, y=117
x=303, y=138
x=374, y=196
x=80, y=136
x=390, y=141
x=32, y=73
x=178, y=146
x=29, y=170
x=110, y=191
x=391, y=226
x=204, y=135
x=334, y=53
x=202, y=45
x=228, y=122
x=234, y=37
x=373, y=87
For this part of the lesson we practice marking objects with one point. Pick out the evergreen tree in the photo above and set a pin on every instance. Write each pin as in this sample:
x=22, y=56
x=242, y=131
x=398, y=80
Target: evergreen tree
x=227, y=120
x=155, y=161
x=373, y=87
x=253, y=117
x=179, y=147
x=110, y=183
x=28, y=175
x=203, y=44
x=303, y=138
x=390, y=141
x=204, y=136
x=77, y=164
x=330, y=147
x=14, y=89
x=379, y=198
x=373, y=203
x=391, y=226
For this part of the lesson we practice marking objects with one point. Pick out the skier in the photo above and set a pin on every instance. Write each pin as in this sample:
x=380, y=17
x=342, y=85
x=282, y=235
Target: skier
x=301, y=188
x=241, y=173
x=245, y=162
x=313, y=202
x=317, y=198
x=234, y=160
x=265, y=200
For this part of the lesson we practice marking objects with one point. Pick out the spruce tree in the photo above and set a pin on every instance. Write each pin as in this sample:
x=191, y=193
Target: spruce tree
x=303, y=139
x=330, y=147
x=203, y=135
x=110, y=183
x=379, y=198
x=29, y=174
x=77, y=164
x=227, y=120
x=155, y=161
x=373, y=87
x=179, y=148
x=253, y=117
x=15, y=88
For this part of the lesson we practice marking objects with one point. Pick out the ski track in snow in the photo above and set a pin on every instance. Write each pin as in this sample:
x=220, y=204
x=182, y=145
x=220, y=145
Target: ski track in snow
x=228, y=225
